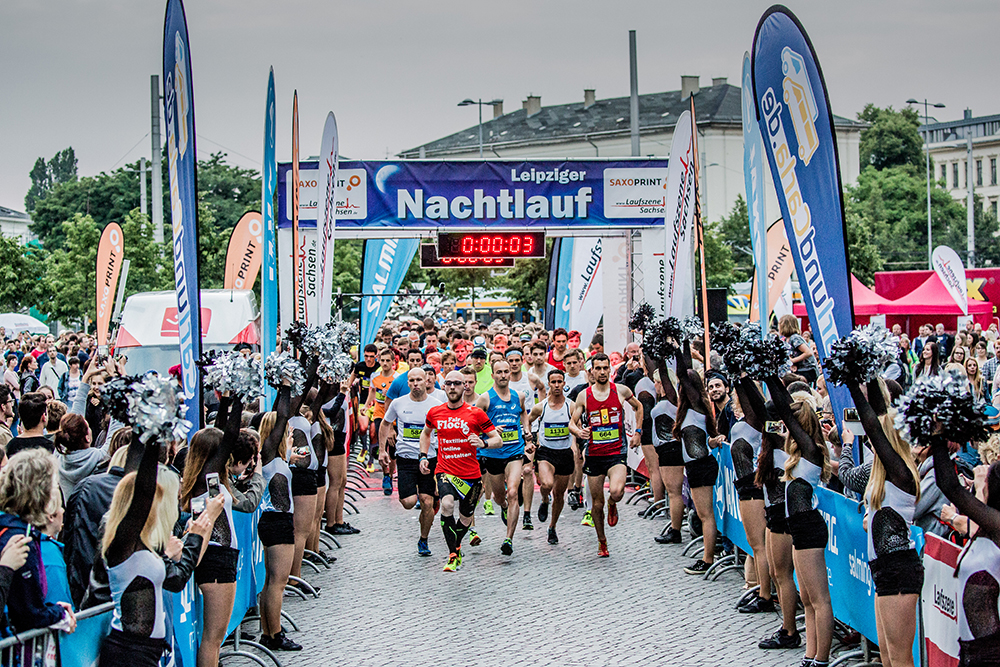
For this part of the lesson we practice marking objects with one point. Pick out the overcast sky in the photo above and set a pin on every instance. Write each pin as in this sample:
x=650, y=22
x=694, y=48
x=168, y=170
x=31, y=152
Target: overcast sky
x=76, y=72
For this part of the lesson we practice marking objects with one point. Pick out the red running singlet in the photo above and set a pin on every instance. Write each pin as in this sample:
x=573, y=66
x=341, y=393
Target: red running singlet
x=607, y=429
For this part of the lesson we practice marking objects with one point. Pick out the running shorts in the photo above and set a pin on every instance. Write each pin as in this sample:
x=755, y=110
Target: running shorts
x=465, y=491
x=561, y=459
x=411, y=481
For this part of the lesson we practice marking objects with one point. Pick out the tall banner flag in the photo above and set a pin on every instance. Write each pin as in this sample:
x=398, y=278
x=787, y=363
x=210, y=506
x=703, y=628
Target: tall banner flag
x=777, y=274
x=298, y=293
x=586, y=288
x=109, y=263
x=178, y=112
x=791, y=95
x=951, y=271
x=753, y=176
x=700, y=228
x=654, y=273
x=386, y=262
x=550, y=285
x=329, y=157
x=679, y=221
x=269, y=279
x=243, y=257
x=564, y=284
x=615, y=292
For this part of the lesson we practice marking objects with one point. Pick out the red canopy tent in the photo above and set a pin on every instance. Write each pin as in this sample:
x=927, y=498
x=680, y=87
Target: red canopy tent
x=866, y=304
x=932, y=298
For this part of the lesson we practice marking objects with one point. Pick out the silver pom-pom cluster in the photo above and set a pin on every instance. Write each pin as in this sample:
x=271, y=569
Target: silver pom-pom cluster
x=346, y=333
x=336, y=368
x=335, y=362
x=862, y=355
x=281, y=366
x=238, y=375
x=691, y=328
x=758, y=358
x=940, y=407
x=157, y=410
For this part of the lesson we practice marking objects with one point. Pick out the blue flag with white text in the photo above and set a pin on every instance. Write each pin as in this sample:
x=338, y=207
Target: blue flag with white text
x=386, y=262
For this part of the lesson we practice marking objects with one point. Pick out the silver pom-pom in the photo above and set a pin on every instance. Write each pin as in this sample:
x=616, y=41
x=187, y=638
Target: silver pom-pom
x=336, y=368
x=346, y=334
x=238, y=375
x=940, y=406
x=312, y=340
x=281, y=366
x=862, y=355
x=692, y=327
x=157, y=410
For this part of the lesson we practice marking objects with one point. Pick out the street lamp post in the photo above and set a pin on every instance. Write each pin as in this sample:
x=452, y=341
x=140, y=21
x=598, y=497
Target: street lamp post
x=927, y=153
x=467, y=102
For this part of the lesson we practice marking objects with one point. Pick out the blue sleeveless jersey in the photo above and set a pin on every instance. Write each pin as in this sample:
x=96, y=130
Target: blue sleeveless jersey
x=507, y=418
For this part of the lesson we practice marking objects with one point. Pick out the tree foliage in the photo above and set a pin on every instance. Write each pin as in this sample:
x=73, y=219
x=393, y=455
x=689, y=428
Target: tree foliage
x=70, y=276
x=719, y=265
x=891, y=139
x=733, y=232
x=60, y=169
x=21, y=270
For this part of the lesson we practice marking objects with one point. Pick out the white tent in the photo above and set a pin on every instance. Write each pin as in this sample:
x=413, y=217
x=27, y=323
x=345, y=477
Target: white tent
x=15, y=323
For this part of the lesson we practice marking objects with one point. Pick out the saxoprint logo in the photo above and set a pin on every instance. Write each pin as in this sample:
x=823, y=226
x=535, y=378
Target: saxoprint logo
x=798, y=95
x=635, y=193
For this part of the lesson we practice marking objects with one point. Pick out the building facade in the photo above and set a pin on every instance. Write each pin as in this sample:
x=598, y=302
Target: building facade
x=949, y=149
x=596, y=128
x=14, y=223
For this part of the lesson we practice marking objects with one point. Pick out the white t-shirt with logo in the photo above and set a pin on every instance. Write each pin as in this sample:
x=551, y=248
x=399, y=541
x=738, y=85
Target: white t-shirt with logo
x=410, y=417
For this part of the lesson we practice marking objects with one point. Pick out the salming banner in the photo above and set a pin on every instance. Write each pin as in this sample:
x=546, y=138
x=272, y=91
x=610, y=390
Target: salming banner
x=753, y=176
x=429, y=194
x=178, y=112
x=386, y=262
x=110, y=252
x=793, y=113
x=269, y=278
x=550, y=285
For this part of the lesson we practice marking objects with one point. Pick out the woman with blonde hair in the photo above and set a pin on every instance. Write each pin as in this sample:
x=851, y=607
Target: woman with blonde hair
x=890, y=500
x=801, y=357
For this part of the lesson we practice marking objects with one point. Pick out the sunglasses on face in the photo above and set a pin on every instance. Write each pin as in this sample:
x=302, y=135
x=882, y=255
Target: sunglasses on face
x=453, y=383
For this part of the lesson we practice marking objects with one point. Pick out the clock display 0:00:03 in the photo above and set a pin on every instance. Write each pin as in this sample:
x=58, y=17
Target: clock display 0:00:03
x=530, y=244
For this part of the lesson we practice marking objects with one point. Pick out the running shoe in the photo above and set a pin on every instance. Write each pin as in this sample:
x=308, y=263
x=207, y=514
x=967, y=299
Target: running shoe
x=360, y=458
x=340, y=529
x=422, y=548
x=474, y=539
x=371, y=467
x=452, y=564
x=574, y=502
x=387, y=485
x=698, y=567
x=354, y=531
x=757, y=605
x=553, y=538
x=460, y=557
x=612, y=513
x=507, y=547
x=588, y=520
x=488, y=508
x=781, y=639
x=672, y=536
x=543, y=511
x=503, y=515
x=526, y=523
x=279, y=642
x=602, y=549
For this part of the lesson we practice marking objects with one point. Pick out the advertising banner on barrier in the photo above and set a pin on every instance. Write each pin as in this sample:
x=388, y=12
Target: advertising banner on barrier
x=386, y=262
x=329, y=160
x=654, y=272
x=794, y=115
x=564, y=284
x=182, y=160
x=754, y=180
x=615, y=293
x=951, y=271
x=269, y=279
x=110, y=252
x=939, y=600
x=245, y=251
x=727, y=503
x=679, y=240
x=460, y=194
x=586, y=287
x=777, y=273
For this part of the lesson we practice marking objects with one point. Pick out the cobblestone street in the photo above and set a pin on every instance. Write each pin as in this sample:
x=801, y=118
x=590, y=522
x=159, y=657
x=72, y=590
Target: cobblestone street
x=381, y=604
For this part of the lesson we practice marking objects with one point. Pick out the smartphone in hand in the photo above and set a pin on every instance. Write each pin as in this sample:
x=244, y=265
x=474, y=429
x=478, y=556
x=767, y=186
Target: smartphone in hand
x=212, y=479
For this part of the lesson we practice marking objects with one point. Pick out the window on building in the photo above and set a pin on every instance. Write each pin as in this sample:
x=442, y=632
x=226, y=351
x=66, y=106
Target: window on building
x=993, y=208
x=954, y=175
x=944, y=175
x=993, y=171
x=979, y=173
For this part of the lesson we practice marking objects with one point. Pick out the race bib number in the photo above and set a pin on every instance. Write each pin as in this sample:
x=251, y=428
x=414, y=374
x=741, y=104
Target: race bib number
x=411, y=431
x=365, y=383
x=380, y=395
x=460, y=484
x=556, y=431
x=509, y=435
x=605, y=434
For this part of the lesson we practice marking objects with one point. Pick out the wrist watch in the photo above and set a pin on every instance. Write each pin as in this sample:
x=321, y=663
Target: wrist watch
x=639, y=430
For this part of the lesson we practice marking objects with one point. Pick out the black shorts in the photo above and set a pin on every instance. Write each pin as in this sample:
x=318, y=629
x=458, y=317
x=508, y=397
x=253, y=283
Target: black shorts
x=217, y=566
x=561, y=459
x=411, y=481
x=808, y=530
x=274, y=528
x=339, y=446
x=119, y=648
x=670, y=454
x=466, y=491
x=702, y=472
x=774, y=516
x=747, y=490
x=303, y=482
x=320, y=477
x=898, y=573
x=493, y=466
x=597, y=466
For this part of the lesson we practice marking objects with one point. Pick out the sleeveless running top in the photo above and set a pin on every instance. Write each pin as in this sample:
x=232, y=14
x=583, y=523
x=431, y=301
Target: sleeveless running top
x=694, y=437
x=663, y=413
x=554, y=430
x=978, y=603
x=506, y=416
x=743, y=431
x=902, y=502
x=607, y=425
x=522, y=386
x=223, y=532
x=136, y=587
x=277, y=486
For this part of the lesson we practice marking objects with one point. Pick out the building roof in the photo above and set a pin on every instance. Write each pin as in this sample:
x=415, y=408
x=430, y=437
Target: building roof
x=954, y=130
x=658, y=112
x=11, y=214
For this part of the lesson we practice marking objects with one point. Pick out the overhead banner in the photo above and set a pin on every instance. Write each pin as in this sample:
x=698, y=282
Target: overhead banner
x=679, y=240
x=550, y=285
x=951, y=271
x=243, y=257
x=110, y=252
x=564, y=284
x=777, y=273
x=586, y=288
x=753, y=176
x=182, y=160
x=386, y=262
x=615, y=292
x=429, y=195
x=269, y=279
x=794, y=115
x=329, y=158
x=654, y=271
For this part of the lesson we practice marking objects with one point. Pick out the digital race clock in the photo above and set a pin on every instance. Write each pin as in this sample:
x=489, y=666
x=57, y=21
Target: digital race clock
x=497, y=244
x=429, y=260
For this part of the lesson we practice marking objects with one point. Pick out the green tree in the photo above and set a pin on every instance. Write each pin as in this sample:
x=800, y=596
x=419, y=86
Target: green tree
x=891, y=139
x=21, y=271
x=60, y=169
x=734, y=233
x=70, y=275
x=527, y=282
x=865, y=253
x=148, y=269
x=719, y=265
x=227, y=190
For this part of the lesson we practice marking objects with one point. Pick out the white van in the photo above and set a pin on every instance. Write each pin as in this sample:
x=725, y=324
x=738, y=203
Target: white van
x=147, y=334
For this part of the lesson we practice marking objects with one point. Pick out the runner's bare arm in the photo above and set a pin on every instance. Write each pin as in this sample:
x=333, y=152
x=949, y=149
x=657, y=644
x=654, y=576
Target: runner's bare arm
x=425, y=446
x=579, y=410
x=535, y=413
x=626, y=395
x=493, y=439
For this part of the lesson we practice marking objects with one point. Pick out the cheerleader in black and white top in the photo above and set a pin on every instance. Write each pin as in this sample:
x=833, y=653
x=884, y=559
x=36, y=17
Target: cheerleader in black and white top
x=808, y=464
x=890, y=499
x=668, y=453
x=978, y=568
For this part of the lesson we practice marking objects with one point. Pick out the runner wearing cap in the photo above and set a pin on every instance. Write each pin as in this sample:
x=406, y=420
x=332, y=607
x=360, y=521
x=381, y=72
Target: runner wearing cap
x=484, y=375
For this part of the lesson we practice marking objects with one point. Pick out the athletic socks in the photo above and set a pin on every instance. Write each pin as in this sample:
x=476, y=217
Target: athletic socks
x=460, y=531
x=450, y=533
x=588, y=499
